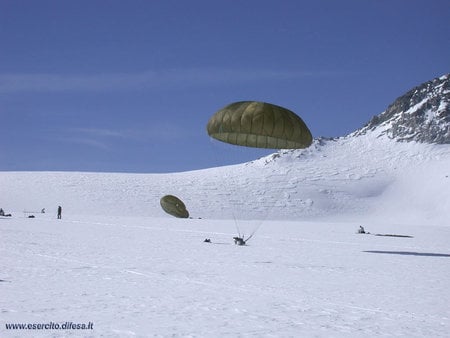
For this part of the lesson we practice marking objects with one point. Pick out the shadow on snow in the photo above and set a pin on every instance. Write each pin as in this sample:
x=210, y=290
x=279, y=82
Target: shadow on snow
x=409, y=253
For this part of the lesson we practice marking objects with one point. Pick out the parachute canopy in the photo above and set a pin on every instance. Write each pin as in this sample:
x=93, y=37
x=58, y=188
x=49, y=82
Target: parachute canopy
x=260, y=125
x=174, y=206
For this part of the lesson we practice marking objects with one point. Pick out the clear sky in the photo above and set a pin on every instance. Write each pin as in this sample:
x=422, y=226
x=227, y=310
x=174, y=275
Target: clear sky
x=129, y=86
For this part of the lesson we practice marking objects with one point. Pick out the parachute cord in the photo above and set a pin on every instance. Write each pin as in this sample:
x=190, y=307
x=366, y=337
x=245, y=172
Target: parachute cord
x=236, y=224
x=254, y=231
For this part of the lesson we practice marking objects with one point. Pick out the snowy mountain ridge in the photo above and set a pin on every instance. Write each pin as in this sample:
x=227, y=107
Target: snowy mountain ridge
x=422, y=115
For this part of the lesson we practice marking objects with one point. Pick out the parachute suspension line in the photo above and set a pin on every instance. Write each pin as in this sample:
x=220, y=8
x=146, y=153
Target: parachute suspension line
x=237, y=226
x=254, y=231
x=275, y=197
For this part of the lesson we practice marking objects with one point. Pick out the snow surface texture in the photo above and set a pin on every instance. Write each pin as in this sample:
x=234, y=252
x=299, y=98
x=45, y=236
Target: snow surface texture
x=117, y=260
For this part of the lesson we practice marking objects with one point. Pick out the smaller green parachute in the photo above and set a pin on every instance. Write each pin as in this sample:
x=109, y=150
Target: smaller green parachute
x=174, y=206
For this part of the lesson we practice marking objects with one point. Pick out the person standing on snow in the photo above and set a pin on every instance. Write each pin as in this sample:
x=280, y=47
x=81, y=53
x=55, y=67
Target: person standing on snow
x=59, y=212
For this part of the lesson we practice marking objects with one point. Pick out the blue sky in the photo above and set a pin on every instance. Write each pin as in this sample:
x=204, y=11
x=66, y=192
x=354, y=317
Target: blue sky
x=129, y=86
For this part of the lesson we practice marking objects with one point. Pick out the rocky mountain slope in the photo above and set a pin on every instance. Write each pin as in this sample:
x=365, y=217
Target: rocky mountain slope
x=422, y=115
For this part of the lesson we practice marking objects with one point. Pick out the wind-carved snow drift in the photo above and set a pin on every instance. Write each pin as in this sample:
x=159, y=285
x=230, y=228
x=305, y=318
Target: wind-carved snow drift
x=422, y=115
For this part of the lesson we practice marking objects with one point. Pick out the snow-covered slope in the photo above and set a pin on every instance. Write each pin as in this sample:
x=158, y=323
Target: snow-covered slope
x=349, y=177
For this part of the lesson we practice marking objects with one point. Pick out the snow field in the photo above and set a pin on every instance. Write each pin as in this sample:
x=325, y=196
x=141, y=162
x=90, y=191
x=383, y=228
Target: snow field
x=117, y=260
x=155, y=276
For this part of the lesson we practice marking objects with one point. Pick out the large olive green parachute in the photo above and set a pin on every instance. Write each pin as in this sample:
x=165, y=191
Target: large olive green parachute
x=174, y=206
x=260, y=125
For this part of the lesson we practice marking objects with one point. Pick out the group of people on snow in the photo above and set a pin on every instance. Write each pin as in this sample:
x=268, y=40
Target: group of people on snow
x=59, y=213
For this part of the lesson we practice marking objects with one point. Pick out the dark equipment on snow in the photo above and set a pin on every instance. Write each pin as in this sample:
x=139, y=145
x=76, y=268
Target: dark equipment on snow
x=239, y=241
x=207, y=240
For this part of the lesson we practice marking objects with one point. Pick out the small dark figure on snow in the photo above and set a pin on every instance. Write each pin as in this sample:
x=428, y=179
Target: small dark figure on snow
x=59, y=212
x=361, y=230
x=207, y=240
x=2, y=213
